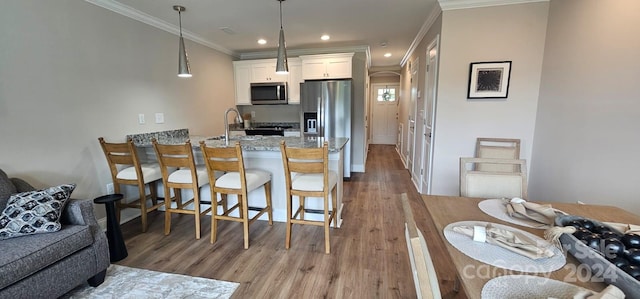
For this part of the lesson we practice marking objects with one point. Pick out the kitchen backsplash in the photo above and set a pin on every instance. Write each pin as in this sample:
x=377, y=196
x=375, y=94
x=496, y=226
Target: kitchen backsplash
x=272, y=113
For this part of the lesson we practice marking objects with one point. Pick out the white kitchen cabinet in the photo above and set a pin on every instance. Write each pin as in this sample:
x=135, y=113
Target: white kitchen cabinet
x=295, y=78
x=326, y=66
x=242, y=77
x=265, y=71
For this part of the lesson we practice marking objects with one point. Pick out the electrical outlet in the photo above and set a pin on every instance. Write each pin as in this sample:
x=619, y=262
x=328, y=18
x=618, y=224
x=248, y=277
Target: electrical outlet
x=141, y=118
x=253, y=114
x=110, y=189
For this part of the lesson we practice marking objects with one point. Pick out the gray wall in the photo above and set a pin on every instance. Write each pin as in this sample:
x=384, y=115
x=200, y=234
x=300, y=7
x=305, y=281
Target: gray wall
x=586, y=141
x=71, y=72
x=507, y=32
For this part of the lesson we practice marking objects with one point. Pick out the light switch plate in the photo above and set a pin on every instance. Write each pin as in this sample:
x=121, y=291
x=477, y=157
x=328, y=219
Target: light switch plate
x=159, y=118
x=141, y=118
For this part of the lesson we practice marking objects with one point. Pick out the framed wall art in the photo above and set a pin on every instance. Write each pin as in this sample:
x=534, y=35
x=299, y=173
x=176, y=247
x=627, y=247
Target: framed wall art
x=489, y=80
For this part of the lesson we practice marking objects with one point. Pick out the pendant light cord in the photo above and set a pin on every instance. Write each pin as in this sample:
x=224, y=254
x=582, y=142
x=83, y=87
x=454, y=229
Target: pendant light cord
x=180, y=21
x=280, y=13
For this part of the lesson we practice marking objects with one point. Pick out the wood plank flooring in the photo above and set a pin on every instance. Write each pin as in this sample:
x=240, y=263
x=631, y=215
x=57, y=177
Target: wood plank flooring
x=369, y=257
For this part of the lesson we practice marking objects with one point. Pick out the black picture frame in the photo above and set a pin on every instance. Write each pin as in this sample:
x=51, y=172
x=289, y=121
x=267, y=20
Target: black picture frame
x=489, y=80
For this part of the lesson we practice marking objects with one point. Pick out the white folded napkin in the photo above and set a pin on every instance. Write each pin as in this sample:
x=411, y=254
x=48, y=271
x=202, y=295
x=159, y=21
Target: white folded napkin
x=624, y=228
x=610, y=292
x=536, y=213
x=510, y=240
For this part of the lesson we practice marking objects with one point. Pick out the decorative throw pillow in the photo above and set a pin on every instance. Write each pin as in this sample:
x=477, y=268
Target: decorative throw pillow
x=34, y=212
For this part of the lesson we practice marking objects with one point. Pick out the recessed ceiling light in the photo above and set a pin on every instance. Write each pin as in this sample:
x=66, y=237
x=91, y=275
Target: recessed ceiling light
x=387, y=54
x=325, y=37
x=262, y=41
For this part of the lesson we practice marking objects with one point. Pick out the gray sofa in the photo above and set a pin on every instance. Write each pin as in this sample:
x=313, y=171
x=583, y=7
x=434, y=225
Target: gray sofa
x=48, y=265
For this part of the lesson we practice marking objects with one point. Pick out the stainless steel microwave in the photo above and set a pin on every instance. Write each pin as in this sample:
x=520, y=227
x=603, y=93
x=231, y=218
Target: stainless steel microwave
x=271, y=93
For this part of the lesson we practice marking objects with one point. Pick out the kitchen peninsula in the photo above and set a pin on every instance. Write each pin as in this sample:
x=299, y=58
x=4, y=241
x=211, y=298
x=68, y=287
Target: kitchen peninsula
x=259, y=152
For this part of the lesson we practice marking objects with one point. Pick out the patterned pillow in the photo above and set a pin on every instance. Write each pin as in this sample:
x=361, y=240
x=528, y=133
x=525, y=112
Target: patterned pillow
x=34, y=212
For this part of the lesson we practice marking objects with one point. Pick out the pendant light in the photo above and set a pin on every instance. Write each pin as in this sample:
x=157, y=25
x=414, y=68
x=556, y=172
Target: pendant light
x=184, y=71
x=282, y=67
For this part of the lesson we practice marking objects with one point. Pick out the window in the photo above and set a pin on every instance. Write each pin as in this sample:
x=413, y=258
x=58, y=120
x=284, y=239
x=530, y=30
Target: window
x=386, y=95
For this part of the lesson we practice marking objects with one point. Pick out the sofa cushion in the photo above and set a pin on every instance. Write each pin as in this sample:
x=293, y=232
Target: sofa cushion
x=34, y=212
x=6, y=189
x=27, y=255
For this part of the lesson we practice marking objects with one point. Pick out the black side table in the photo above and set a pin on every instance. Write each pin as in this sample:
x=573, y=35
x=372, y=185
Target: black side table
x=117, y=249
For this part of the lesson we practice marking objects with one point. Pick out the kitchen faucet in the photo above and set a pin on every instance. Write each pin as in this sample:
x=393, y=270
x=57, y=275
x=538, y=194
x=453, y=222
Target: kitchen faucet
x=226, y=123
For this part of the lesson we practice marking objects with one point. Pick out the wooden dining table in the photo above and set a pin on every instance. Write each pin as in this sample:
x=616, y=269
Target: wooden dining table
x=473, y=274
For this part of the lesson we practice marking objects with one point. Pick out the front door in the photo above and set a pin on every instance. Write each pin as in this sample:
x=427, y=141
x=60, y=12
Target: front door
x=385, y=114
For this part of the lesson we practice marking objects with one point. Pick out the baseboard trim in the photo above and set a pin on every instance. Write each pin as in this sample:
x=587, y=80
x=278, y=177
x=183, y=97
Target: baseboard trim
x=404, y=162
x=357, y=167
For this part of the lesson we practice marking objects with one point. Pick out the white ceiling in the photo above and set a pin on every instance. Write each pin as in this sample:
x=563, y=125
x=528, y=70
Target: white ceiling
x=350, y=23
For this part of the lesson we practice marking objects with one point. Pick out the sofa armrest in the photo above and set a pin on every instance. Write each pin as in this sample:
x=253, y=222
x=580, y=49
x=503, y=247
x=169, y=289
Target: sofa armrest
x=22, y=185
x=80, y=212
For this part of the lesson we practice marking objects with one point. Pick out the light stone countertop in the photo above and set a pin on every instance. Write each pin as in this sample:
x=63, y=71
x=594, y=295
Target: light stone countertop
x=272, y=143
x=248, y=143
x=259, y=143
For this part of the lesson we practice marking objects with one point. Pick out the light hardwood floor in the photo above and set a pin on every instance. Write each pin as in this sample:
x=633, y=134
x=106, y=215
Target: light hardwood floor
x=369, y=257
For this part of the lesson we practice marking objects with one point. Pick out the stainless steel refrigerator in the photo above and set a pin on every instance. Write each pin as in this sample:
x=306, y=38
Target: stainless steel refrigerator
x=326, y=112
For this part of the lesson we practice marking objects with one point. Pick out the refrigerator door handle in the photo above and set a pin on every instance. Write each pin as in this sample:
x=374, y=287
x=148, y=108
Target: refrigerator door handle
x=320, y=120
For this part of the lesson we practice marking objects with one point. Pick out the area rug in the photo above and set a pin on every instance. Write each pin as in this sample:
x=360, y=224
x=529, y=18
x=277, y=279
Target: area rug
x=127, y=282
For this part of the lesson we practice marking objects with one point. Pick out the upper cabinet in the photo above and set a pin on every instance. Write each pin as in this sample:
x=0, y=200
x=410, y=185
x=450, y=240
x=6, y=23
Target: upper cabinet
x=242, y=77
x=326, y=66
x=307, y=67
x=295, y=78
x=264, y=70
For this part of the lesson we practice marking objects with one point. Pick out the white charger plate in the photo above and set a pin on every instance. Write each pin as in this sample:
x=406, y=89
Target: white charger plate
x=527, y=287
x=503, y=258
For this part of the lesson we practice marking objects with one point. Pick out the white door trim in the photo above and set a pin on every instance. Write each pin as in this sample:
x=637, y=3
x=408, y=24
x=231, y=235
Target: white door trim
x=430, y=70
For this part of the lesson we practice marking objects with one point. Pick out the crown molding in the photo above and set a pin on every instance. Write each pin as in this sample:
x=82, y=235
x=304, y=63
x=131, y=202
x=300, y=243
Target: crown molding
x=137, y=15
x=423, y=31
x=462, y=4
x=301, y=52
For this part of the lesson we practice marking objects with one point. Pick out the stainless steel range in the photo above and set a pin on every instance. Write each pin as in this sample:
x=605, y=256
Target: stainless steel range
x=267, y=130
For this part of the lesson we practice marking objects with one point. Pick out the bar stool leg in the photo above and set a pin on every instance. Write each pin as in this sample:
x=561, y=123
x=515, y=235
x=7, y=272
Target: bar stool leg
x=327, y=221
x=143, y=207
x=167, y=211
x=245, y=219
x=214, y=213
x=196, y=209
x=267, y=195
x=287, y=241
x=334, y=208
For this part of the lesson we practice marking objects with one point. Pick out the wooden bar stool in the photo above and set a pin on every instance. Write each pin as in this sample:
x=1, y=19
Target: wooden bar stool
x=307, y=174
x=235, y=180
x=126, y=169
x=188, y=176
